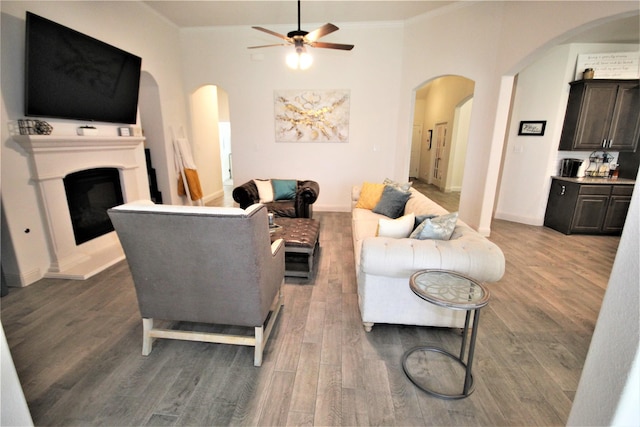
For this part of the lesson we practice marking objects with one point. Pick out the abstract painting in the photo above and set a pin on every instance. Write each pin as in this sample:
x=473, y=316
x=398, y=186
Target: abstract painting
x=312, y=115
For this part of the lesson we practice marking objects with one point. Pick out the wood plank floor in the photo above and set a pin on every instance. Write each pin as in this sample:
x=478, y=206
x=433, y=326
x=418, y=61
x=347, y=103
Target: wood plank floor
x=77, y=348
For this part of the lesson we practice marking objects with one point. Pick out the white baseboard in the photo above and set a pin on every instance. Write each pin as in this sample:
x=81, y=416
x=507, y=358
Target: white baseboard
x=528, y=220
x=331, y=208
x=22, y=280
x=213, y=196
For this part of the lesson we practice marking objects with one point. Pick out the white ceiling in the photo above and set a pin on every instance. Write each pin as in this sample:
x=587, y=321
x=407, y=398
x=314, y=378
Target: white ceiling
x=185, y=14
x=263, y=12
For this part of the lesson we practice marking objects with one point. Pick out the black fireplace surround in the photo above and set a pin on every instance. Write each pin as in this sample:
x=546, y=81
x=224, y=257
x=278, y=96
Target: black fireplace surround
x=89, y=194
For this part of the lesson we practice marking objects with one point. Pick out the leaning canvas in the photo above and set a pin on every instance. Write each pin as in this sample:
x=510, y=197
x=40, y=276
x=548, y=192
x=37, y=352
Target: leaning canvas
x=312, y=115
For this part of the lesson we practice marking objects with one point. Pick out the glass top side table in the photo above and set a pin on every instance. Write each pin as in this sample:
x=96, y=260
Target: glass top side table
x=457, y=292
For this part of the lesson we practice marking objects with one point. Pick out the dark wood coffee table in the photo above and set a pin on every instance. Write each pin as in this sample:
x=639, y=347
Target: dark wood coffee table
x=301, y=243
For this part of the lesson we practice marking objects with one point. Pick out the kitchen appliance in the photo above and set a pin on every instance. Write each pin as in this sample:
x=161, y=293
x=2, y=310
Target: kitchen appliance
x=569, y=167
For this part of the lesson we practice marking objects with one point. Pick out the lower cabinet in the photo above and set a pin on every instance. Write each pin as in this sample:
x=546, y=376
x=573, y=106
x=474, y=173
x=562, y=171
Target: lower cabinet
x=587, y=208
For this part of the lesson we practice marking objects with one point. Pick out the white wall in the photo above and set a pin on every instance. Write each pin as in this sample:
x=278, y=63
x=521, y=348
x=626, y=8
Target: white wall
x=541, y=93
x=14, y=410
x=371, y=72
x=459, y=138
x=128, y=25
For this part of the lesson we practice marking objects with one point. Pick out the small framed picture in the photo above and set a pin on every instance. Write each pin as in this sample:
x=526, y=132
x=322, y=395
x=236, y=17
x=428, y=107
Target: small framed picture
x=532, y=127
x=124, y=131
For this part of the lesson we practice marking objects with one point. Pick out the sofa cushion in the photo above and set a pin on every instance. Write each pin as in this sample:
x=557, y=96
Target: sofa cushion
x=397, y=228
x=392, y=202
x=437, y=228
x=370, y=195
x=265, y=190
x=284, y=189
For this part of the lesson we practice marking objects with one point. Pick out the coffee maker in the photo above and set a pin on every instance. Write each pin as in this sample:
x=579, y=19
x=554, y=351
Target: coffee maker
x=569, y=167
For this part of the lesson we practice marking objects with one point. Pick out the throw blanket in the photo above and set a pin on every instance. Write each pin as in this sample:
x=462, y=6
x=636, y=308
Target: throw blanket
x=183, y=156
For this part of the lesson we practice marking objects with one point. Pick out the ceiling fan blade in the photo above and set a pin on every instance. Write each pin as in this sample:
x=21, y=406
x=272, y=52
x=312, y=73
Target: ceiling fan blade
x=321, y=32
x=273, y=33
x=268, y=45
x=332, y=45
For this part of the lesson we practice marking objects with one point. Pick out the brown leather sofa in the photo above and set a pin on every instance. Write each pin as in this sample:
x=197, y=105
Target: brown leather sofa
x=299, y=207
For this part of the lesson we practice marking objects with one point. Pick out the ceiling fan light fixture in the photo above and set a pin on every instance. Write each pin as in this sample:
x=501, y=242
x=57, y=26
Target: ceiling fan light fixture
x=299, y=60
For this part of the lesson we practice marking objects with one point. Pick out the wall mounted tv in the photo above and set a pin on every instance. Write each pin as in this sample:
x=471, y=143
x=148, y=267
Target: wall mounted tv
x=70, y=75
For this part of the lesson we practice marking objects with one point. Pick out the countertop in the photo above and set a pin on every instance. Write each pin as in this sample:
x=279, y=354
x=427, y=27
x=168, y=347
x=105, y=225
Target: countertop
x=595, y=180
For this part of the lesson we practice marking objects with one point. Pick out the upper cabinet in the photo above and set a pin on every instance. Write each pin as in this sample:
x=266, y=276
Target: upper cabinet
x=602, y=115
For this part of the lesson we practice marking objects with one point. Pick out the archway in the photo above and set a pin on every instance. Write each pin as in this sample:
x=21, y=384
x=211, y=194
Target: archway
x=211, y=136
x=152, y=121
x=443, y=129
x=620, y=355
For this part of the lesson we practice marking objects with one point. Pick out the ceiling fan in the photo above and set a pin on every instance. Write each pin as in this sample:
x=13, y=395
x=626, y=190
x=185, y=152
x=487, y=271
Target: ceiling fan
x=300, y=38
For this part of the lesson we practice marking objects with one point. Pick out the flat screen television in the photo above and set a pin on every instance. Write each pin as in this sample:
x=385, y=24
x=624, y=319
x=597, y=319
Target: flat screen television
x=70, y=75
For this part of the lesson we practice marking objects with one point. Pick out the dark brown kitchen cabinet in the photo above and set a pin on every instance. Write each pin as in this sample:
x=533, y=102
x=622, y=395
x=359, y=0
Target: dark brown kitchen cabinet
x=602, y=115
x=587, y=208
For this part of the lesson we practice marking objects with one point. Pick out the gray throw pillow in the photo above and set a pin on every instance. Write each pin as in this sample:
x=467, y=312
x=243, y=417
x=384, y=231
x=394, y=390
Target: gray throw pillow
x=392, y=202
x=438, y=228
x=420, y=219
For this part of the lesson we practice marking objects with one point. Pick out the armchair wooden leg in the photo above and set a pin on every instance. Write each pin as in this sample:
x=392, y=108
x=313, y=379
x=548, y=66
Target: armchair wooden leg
x=147, y=340
x=259, y=346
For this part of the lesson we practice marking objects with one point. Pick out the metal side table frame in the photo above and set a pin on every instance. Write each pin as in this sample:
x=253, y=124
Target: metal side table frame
x=457, y=292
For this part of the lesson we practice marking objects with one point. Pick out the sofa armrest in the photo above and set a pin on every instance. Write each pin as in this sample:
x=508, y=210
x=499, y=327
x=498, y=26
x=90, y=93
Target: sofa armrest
x=276, y=246
x=246, y=194
x=306, y=195
x=308, y=191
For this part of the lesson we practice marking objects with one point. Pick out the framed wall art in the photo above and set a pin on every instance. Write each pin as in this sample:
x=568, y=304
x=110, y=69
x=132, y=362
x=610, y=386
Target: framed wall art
x=532, y=127
x=311, y=115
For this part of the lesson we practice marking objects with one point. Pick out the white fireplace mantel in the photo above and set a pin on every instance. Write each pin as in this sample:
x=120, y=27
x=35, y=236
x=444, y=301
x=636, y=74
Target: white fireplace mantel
x=54, y=157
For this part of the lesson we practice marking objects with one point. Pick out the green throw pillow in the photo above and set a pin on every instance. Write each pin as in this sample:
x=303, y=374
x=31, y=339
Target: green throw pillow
x=284, y=189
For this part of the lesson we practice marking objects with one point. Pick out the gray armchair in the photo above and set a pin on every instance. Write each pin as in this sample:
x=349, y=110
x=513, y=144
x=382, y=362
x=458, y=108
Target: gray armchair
x=204, y=265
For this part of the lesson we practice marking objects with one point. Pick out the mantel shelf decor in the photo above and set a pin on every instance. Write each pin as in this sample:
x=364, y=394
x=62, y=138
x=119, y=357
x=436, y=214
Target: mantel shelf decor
x=312, y=116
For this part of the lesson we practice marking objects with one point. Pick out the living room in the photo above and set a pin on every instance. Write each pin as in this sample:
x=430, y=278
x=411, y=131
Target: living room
x=179, y=61
x=372, y=152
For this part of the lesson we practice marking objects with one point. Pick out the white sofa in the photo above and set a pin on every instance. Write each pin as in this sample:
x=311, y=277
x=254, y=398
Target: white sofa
x=384, y=266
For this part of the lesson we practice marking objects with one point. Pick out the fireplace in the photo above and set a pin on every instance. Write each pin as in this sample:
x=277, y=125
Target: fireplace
x=107, y=170
x=89, y=194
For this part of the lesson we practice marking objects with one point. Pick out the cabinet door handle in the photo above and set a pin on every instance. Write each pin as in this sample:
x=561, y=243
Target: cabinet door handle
x=563, y=189
x=610, y=143
x=604, y=143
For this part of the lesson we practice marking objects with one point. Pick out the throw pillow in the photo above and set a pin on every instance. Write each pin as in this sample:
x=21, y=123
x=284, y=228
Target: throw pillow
x=370, y=195
x=400, y=186
x=265, y=190
x=420, y=219
x=284, y=189
x=396, y=228
x=392, y=202
x=437, y=228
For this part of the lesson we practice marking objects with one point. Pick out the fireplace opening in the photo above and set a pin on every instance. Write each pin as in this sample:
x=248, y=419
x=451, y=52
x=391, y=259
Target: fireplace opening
x=90, y=193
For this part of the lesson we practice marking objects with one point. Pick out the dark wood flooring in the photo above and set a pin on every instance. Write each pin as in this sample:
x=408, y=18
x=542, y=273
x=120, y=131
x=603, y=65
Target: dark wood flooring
x=77, y=348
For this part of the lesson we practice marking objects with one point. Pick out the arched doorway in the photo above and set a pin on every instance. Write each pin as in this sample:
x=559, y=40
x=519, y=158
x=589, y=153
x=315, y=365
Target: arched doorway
x=211, y=134
x=442, y=111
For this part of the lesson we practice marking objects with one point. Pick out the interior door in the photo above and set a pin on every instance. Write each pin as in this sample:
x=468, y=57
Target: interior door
x=438, y=176
x=416, y=149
